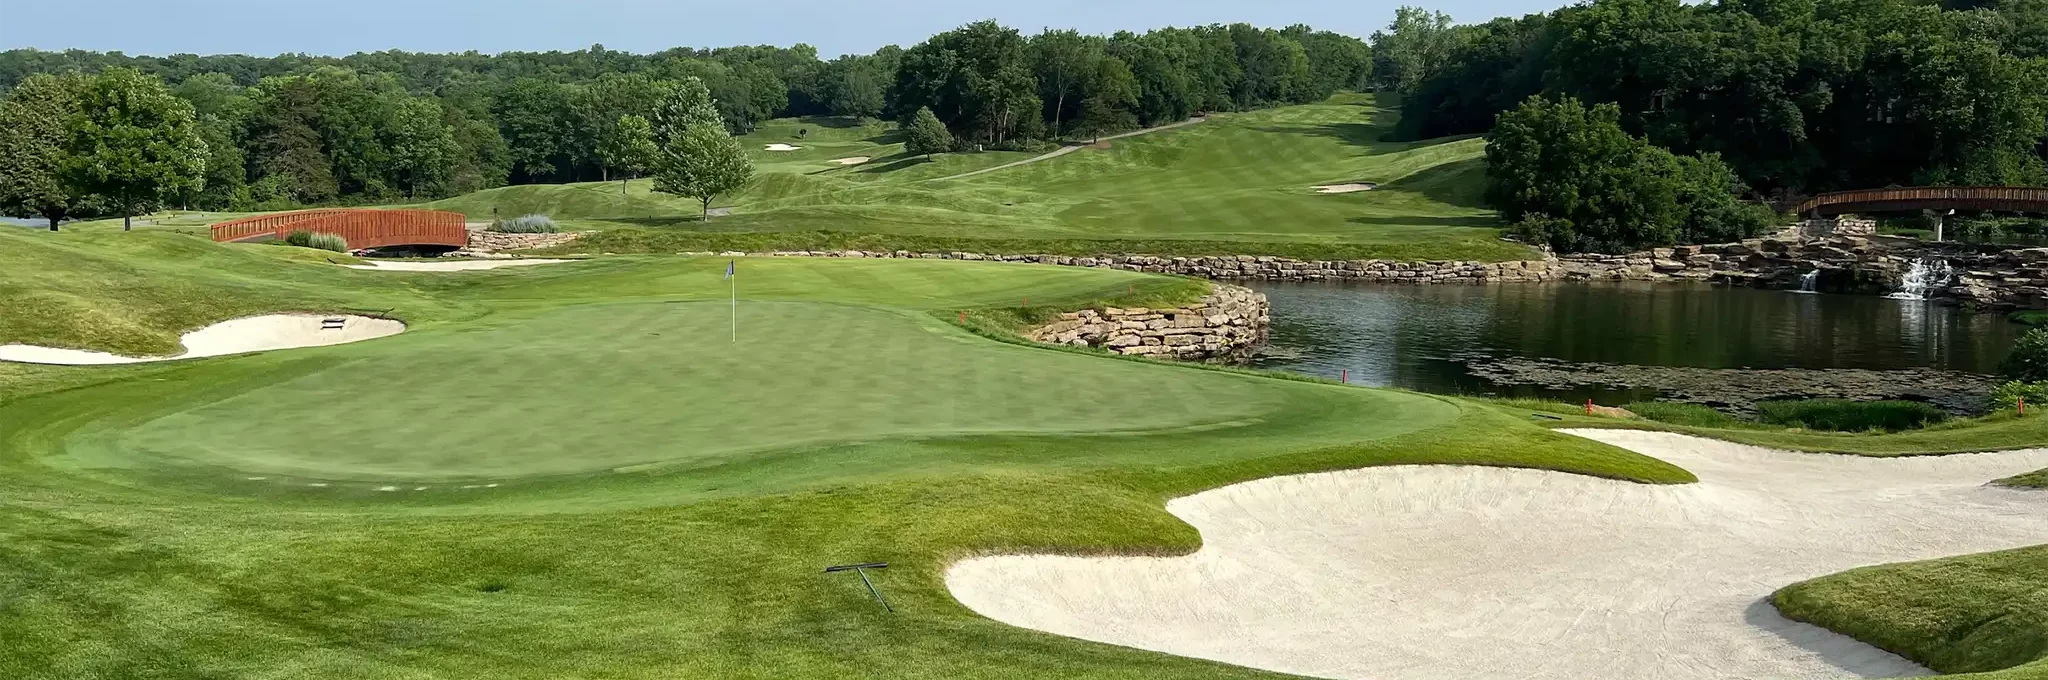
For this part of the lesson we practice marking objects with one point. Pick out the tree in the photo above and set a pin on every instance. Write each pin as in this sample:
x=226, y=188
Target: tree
x=2028, y=360
x=422, y=146
x=1112, y=97
x=628, y=147
x=1413, y=48
x=1062, y=61
x=925, y=135
x=132, y=142
x=33, y=134
x=695, y=156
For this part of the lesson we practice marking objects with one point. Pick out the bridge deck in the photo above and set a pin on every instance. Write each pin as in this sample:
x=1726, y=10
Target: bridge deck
x=1904, y=199
x=359, y=227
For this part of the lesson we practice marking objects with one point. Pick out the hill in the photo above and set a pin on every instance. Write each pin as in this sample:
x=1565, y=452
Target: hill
x=1236, y=184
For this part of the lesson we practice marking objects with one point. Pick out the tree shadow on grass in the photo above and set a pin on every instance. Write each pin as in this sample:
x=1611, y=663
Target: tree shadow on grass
x=834, y=122
x=1355, y=134
x=1424, y=221
x=1458, y=183
x=901, y=161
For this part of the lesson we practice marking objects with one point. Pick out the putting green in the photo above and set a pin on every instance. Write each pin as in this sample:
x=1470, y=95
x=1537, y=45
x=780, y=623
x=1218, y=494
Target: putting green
x=600, y=387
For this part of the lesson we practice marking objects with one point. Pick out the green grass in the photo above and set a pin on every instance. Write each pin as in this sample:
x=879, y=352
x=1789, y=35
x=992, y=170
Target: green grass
x=1982, y=616
x=1238, y=184
x=614, y=488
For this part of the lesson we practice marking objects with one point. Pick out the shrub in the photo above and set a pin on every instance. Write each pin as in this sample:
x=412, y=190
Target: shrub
x=2028, y=360
x=1696, y=415
x=312, y=239
x=2006, y=397
x=1843, y=415
x=526, y=224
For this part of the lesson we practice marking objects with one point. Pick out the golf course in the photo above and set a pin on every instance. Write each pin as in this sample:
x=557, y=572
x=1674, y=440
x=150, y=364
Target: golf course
x=957, y=361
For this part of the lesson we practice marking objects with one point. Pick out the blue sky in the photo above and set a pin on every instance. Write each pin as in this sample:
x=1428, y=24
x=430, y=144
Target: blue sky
x=267, y=27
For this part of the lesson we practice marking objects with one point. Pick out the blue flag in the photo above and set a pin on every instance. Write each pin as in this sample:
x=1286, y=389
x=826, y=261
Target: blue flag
x=728, y=268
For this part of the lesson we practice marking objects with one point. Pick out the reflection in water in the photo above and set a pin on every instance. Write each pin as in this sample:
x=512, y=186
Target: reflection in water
x=1413, y=336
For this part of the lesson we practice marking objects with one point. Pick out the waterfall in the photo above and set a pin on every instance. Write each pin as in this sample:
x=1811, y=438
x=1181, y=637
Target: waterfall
x=1925, y=276
x=1809, y=282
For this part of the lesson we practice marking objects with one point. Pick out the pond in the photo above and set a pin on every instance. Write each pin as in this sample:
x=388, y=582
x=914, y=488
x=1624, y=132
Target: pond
x=1444, y=338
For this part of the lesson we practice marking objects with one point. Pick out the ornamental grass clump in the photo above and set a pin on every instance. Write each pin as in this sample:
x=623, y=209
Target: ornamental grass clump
x=314, y=239
x=526, y=224
x=1844, y=415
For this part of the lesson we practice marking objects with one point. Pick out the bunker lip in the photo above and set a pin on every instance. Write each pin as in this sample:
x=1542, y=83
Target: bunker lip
x=234, y=336
x=1352, y=187
x=1432, y=572
x=454, y=266
x=851, y=160
x=778, y=146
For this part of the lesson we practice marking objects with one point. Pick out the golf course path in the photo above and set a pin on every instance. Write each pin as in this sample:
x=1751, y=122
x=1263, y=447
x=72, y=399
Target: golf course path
x=1064, y=150
x=1470, y=572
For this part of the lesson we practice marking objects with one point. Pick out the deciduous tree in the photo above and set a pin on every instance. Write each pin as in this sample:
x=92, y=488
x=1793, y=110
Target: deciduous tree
x=696, y=157
x=34, y=133
x=132, y=142
x=925, y=135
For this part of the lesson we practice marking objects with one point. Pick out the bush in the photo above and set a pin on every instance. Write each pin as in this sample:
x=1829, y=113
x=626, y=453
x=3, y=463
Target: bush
x=1843, y=415
x=311, y=239
x=526, y=224
x=2028, y=360
x=2007, y=397
x=1696, y=415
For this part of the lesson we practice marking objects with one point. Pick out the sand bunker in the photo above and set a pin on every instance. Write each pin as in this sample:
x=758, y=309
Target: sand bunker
x=1472, y=572
x=248, y=334
x=450, y=266
x=1344, y=188
x=851, y=160
x=778, y=146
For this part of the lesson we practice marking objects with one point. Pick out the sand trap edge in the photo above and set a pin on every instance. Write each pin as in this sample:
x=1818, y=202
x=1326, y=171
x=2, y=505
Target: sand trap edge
x=234, y=336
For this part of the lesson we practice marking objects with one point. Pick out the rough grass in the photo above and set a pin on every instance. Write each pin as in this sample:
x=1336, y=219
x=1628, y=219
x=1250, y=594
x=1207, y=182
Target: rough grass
x=1238, y=184
x=1846, y=415
x=117, y=560
x=1978, y=616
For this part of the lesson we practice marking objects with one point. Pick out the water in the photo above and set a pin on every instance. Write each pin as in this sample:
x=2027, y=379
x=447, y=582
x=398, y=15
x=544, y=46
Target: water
x=1809, y=283
x=1924, y=276
x=1417, y=336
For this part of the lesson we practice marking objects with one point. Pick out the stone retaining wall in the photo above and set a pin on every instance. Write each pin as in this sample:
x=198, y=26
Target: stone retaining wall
x=1242, y=267
x=1977, y=276
x=487, y=243
x=1227, y=325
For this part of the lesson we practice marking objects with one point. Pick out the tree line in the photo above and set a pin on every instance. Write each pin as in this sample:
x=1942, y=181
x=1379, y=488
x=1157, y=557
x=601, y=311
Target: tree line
x=299, y=130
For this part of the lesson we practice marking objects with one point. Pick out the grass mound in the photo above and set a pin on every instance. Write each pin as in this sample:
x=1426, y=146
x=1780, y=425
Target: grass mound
x=526, y=224
x=1844, y=415
x=1980, y=614
x=317, y=241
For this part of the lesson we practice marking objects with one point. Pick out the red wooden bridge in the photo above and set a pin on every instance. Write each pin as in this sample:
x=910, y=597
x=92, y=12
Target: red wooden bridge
x=360, y=227
x=1943, y=199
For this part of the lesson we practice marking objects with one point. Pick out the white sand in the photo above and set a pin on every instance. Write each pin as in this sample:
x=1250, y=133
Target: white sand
x=1344, y=188
x=1470, y=572
x=851, y=160
x=450, y=266
x=236, y=336
x=778, y=146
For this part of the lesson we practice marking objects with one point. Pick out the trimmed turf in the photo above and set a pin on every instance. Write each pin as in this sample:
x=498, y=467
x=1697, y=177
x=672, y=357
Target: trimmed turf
x=120, y=559
x=1239, y=183
x=1982, y=616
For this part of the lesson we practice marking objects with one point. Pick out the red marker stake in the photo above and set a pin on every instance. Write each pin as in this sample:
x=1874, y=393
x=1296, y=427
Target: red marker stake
x=963, y=317
x=1347, y=376
x=2023, y=405
x=1589, y=407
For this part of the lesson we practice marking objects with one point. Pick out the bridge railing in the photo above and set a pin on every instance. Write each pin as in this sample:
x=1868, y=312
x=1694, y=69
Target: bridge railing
x=2020, y=199
x=360, y=228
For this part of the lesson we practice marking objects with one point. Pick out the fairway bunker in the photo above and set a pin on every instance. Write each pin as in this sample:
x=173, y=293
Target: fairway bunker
x=1345, y=188
x=852, y=160
x=1473, y=572
x=454, y=266
x=236, y=336
x=778, y=146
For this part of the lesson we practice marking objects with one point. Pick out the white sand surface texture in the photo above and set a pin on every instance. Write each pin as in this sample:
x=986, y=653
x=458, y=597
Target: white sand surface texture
x=1344, y=188
x=851, y=160
x=450, y=266
x=235, y=336
x=778, y=146
x=1472, y=572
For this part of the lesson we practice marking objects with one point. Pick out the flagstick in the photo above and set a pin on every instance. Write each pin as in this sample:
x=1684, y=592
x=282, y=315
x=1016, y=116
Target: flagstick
x=733, y=284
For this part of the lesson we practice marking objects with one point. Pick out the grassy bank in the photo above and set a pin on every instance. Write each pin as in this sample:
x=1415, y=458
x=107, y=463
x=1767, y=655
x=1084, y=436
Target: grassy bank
x=1982, y=616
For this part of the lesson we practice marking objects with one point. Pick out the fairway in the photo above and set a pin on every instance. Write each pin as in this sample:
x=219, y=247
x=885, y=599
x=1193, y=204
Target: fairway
x=599, y=387
x=1246, y=179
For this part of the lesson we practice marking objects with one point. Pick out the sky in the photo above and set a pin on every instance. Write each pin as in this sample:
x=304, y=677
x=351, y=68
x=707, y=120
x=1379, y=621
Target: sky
x=270, y=27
